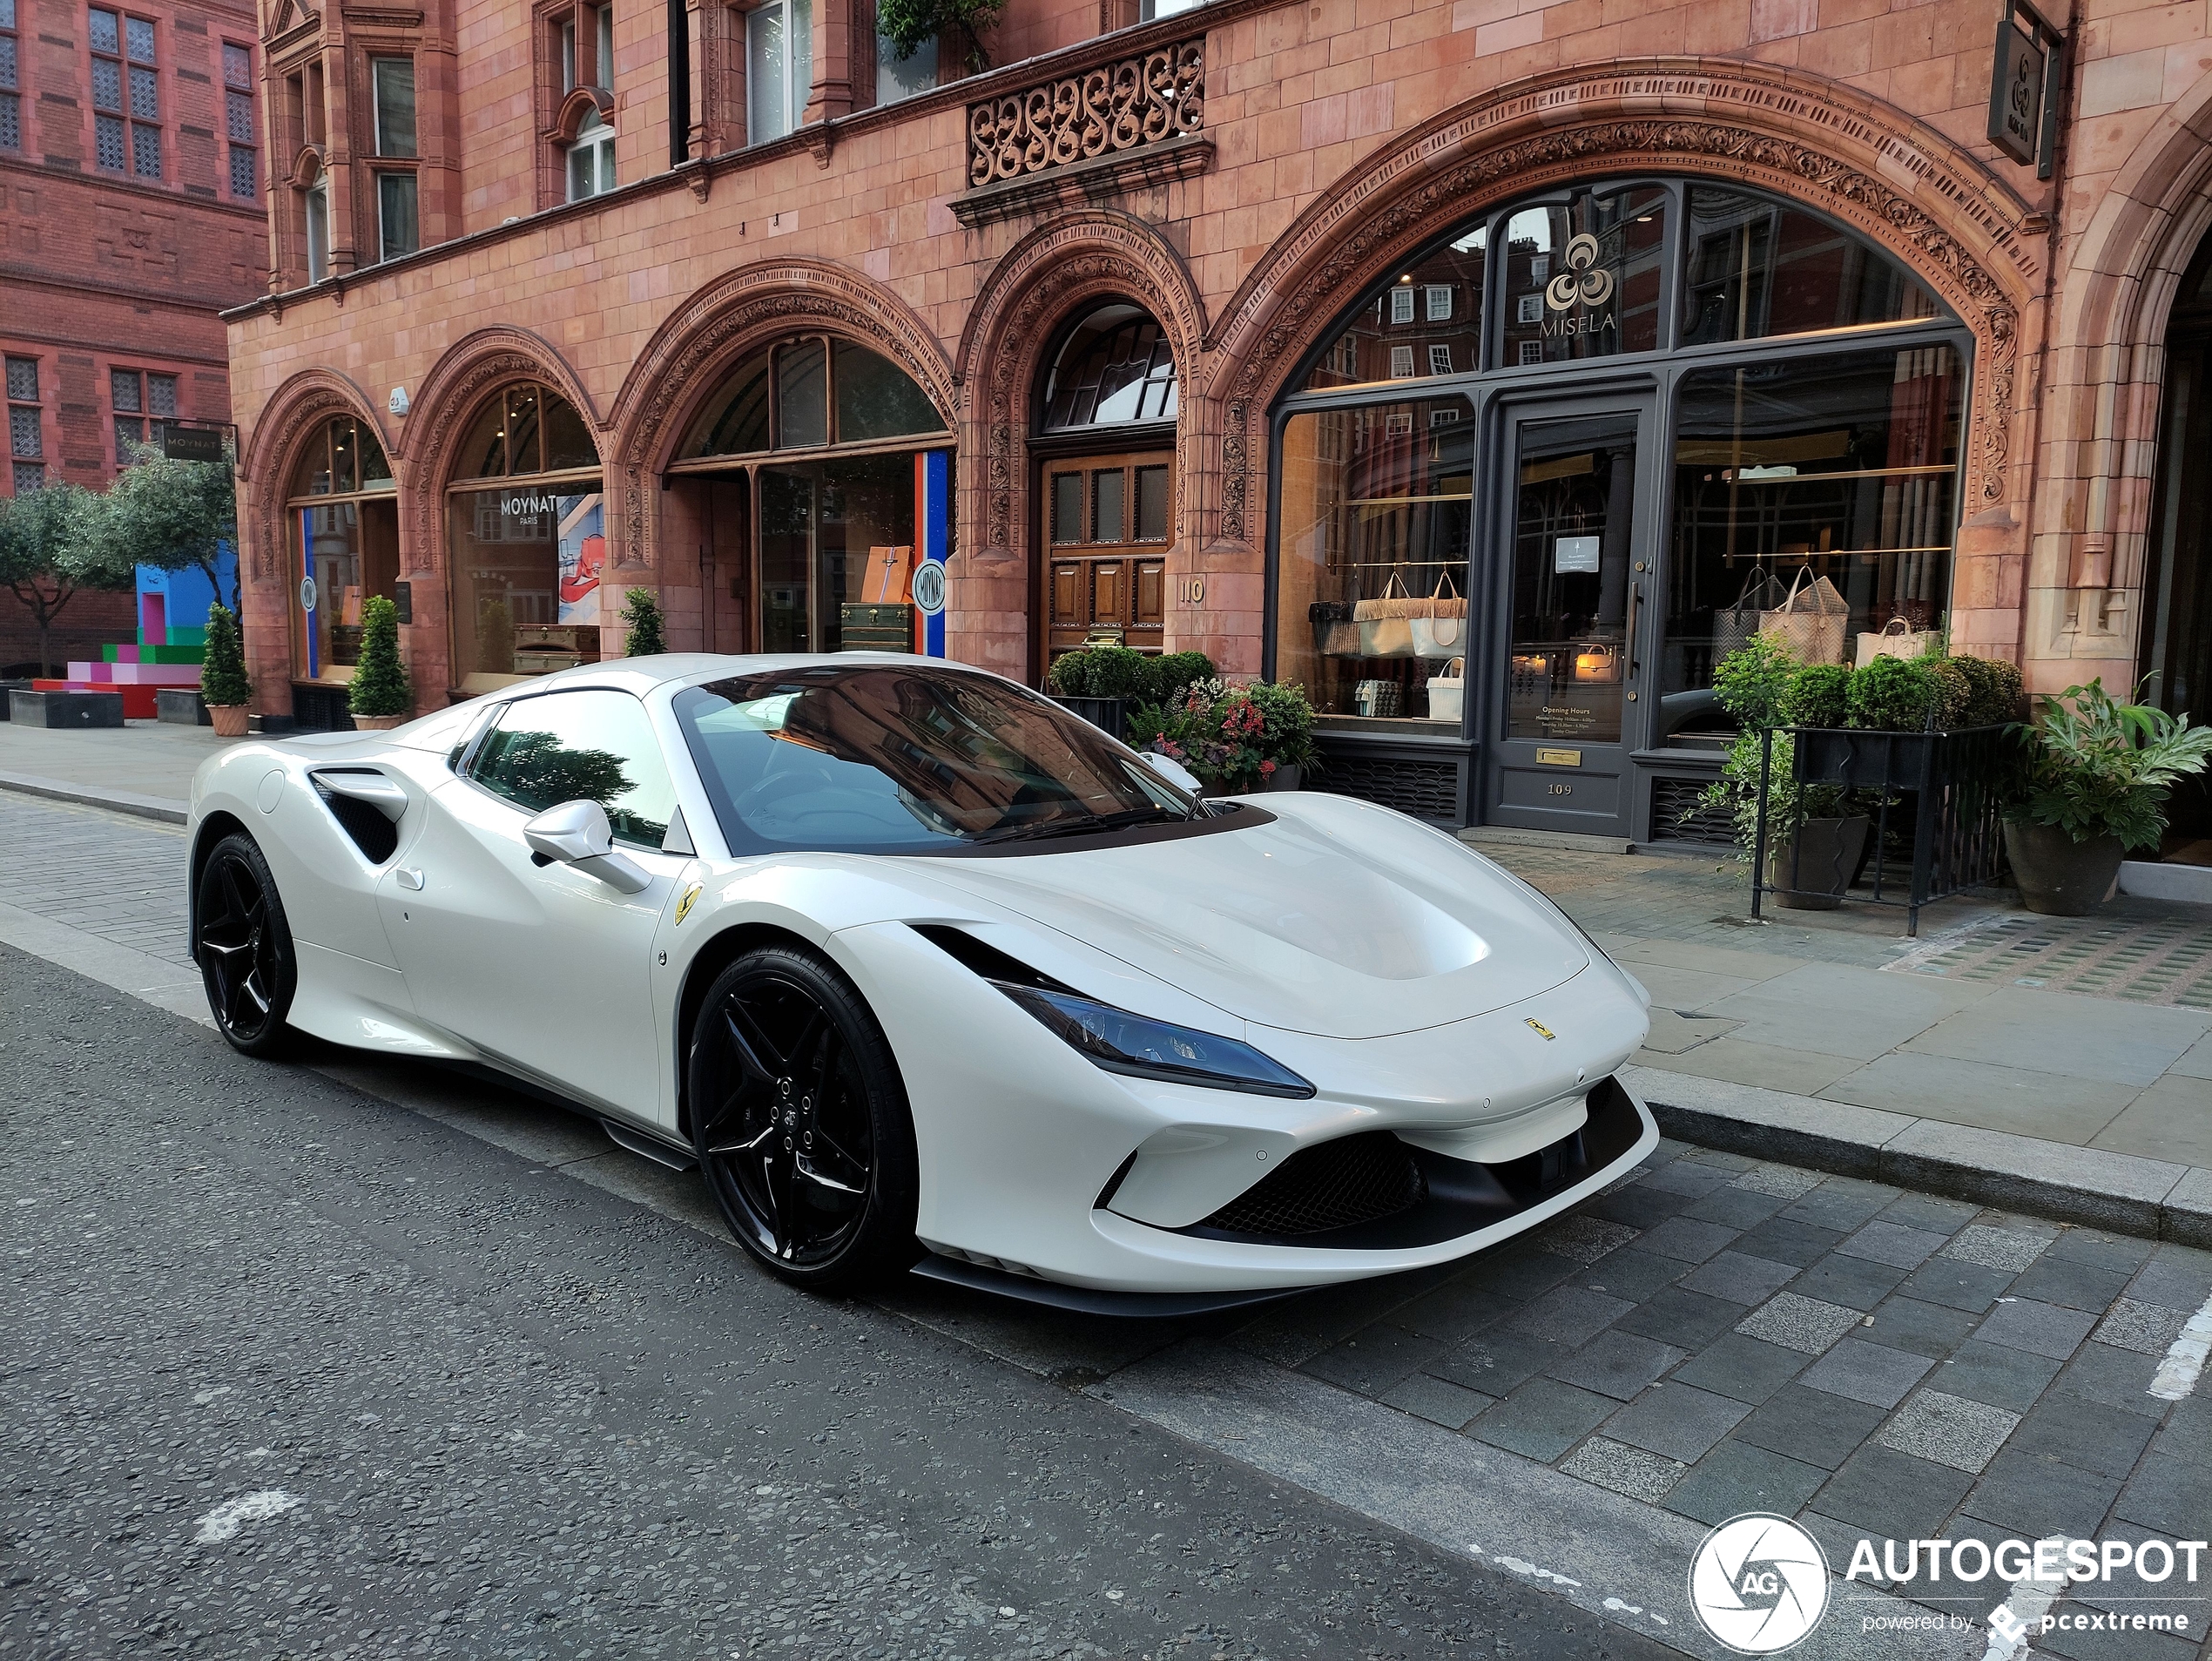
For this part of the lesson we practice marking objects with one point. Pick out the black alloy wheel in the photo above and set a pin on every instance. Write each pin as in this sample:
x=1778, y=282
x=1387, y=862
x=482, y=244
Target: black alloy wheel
x=243, y=946
x=801, y=1123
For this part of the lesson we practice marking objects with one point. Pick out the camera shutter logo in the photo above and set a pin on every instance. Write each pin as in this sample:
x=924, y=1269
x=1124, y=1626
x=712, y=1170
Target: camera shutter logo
x=1584, y=280
x=1759, y=1583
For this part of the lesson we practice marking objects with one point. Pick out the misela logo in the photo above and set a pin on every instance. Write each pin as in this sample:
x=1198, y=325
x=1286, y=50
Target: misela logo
x=1759, y=1583
x=1584, y=280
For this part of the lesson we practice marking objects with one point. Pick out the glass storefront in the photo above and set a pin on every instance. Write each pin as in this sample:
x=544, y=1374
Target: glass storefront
x=346, y=533
x=526, y=536
x=1532, y=482
x=811, y=442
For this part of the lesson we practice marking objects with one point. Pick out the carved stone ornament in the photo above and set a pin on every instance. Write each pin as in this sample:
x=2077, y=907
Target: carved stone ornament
x=1042, y=280
x=1139, y=100
x=688, y=352
x=1445, y=174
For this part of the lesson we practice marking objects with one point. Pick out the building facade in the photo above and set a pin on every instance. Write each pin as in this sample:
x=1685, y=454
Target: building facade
x=1593, y=328
x=133, y=162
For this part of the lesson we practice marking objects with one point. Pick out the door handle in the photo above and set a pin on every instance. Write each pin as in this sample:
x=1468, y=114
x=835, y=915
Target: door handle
x=1636, y=609
x=411, y=881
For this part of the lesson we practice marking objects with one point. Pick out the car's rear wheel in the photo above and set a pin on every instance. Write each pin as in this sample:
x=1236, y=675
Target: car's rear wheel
x=243, y=946
x=801, y=1122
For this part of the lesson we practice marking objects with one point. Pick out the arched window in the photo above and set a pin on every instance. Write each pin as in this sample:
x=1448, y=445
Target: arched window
x=347, y=530
x=527, y=537
x=1115, y=369
x=591, y=159
x=809, y=392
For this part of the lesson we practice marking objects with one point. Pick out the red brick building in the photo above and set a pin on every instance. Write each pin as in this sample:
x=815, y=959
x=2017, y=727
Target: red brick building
x=133, y=162
x=1612, y=318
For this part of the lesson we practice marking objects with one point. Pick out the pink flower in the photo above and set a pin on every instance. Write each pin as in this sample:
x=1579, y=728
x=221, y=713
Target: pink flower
x=1266, y=767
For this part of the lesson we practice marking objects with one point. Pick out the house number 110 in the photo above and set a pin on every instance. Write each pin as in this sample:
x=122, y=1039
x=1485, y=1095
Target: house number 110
x=1191, y=591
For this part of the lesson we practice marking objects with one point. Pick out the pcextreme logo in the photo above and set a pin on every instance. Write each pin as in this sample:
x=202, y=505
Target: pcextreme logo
x=1759, y=1583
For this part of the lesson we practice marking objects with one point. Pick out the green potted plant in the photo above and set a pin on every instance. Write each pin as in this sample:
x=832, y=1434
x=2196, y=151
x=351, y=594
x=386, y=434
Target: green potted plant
x=224, y=686
x=381, y=695
x=2094, y=778
x=642, y=612
x=1101, y=682
x=1236, y=738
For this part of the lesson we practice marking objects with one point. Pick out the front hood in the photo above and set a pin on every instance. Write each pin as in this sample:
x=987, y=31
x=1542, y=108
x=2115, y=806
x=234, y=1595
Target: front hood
x=1338, y=919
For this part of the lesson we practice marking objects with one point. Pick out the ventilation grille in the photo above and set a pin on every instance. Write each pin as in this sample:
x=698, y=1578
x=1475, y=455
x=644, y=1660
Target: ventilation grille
x=1354, y=1179
x=1424, y=789
x=377, y=837
x=1676, y=817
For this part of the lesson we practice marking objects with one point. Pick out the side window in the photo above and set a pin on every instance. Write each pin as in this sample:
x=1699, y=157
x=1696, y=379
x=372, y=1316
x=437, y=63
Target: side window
x=567, y=747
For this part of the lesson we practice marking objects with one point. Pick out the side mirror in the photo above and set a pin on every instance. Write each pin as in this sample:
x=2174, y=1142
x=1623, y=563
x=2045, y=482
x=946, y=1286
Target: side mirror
x=576, y=833
x=1173, y=771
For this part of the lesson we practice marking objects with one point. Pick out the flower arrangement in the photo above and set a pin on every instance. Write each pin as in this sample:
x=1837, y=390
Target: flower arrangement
x=1233, y=737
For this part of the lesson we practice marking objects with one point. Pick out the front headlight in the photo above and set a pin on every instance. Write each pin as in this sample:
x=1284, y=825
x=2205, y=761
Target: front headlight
x=1136, y=1044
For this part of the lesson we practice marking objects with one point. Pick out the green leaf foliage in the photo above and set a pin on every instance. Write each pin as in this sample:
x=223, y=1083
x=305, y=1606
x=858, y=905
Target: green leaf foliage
x=1892, y=695
x=223, y=679
x=1995, y=694
x=169, y=515
x=2093, y=766
x=1788, y=803
x=911, y=24
x=1173, y=670
x=1233, y=737
x=1954, y=692
x=1817, y=695
x=641, y=611
x=1751, y=680
x=40, y=531
x=380, y=685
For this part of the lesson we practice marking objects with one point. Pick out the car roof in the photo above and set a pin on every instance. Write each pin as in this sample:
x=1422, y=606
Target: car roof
x=641, y=675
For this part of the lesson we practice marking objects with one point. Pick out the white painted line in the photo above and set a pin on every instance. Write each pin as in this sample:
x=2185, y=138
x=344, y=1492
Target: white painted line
x=2013, y=1621
x=226, y=1519
x=2185, y=1357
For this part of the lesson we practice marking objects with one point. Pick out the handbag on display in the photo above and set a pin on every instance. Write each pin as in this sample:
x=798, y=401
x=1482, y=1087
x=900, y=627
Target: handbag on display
x=1809, y=623
x=1442, y=631
x=1386, y=622
x=1335, y=635
x=1448, y=691
x=1897, y=639
x=1734, y=625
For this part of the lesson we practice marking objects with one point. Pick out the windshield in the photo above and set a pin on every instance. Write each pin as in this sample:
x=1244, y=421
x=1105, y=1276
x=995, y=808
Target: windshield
x=907, y=759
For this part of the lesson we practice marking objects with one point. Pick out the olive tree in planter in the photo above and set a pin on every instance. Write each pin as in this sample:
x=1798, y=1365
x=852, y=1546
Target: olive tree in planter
x=2095, y=776
x=224, y=686
x=381, y=696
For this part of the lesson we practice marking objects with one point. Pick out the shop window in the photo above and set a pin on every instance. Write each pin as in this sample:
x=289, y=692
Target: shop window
x=1844, y=467
x=26, y=425
x=806, y=382
x=10, y=75
x=526, y=530
x=1582, y=277
x=345, y=532
x=1754, y=267
x=139, y=399
x=780, y=67
x=126, y=94
x=591, y=159
x=1377, y=504
x=238, y=122
x=1115, y=368
x=584, y=745
x=1426, y=322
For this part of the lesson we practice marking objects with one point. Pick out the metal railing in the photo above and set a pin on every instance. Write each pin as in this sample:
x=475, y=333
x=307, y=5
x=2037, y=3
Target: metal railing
x=1943, y=789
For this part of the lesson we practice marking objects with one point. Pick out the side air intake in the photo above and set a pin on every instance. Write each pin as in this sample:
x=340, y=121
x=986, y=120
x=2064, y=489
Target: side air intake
x=367, y=807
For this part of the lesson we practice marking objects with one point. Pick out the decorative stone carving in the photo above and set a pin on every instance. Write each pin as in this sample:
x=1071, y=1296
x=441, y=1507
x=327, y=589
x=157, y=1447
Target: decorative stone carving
x=1139, y=100
x=1445, y=174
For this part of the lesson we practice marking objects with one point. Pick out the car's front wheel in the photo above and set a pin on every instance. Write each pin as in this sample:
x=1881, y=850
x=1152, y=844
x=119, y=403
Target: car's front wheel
x=243, y=946
x=801, y=1123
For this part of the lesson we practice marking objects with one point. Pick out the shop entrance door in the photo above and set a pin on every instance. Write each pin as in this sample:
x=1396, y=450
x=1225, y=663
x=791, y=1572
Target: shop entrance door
x=1107, y=519
x=1573, y=512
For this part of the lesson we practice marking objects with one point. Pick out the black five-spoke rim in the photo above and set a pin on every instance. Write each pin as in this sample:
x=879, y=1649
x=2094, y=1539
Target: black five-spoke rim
x=238, y=949
x=787, y=1136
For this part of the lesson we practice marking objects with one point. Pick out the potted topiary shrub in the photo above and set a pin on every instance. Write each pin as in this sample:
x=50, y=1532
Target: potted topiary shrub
x=1101, y=682
x=2093, y=782
x=381, y=696
x=223, y=683
x=642, y=612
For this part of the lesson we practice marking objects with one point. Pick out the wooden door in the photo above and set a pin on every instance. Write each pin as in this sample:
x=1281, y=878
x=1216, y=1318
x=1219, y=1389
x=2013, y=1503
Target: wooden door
x=1108, y=521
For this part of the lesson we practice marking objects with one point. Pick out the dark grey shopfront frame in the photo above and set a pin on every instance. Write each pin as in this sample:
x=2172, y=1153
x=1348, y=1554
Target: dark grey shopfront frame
x=1453, y=778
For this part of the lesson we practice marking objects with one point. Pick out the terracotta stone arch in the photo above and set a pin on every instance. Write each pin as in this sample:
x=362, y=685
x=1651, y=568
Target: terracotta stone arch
x=1860, y=161
x=297, y=409
x=457, y=383
x=696, y=344
x=2108, y=372
x=1045, y=280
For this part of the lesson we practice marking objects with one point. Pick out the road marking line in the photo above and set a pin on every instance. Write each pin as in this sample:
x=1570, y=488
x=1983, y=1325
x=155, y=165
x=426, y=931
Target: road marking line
x=230, y=1516
x=2012, y=1622
x=2185, y=1358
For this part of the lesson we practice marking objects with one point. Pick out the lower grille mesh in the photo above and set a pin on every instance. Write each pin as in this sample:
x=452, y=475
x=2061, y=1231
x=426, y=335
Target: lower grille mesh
x=1353, y=1179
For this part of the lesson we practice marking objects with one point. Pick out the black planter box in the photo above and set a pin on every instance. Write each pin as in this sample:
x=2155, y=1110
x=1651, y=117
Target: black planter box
x=66, y=709
x=6, y=687
x=1108, y=715
x=182, y=704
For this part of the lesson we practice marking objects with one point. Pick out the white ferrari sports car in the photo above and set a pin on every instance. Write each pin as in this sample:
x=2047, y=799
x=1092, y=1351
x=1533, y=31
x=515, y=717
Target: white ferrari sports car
x=923, y=971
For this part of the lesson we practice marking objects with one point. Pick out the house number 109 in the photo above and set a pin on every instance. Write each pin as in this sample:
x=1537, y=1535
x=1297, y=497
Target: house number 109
x=1563, y=790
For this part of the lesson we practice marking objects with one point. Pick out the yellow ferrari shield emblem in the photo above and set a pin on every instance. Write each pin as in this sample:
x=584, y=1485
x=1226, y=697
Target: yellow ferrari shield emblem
x=691, y=898
x=1538, y=1027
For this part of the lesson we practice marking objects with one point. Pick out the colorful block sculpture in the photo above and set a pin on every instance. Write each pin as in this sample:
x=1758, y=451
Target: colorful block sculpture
x=166, y=653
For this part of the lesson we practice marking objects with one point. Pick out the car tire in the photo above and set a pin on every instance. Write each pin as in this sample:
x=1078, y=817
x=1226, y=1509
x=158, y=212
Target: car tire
x=800, y=1122
x=243, y=946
